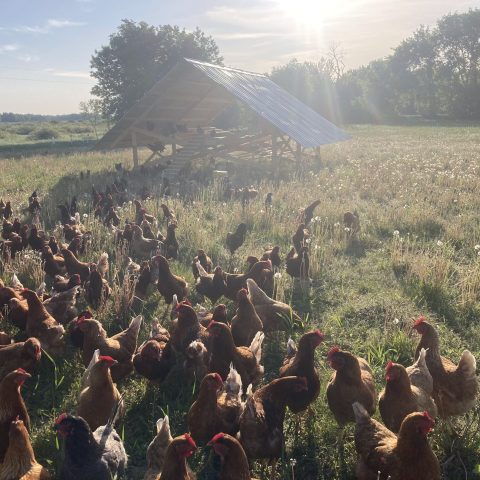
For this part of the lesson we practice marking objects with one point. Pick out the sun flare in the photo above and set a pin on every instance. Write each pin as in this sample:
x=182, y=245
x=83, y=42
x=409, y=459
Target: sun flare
x=312, y=12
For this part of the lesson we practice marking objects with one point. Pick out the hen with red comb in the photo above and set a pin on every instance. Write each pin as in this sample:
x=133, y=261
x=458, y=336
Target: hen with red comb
x=400, y=397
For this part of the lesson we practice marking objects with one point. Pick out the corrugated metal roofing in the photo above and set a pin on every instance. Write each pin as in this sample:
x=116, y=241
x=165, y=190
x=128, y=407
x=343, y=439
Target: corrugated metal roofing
x=194, y=93
x=275, y=105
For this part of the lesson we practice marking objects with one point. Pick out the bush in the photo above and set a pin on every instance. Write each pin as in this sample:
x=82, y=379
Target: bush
x=44, y=134
x=24, y=129
x=79, y=129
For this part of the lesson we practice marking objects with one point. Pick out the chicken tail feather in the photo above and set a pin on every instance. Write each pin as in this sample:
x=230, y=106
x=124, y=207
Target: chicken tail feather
x=233, y=383
x=360, y=412
x=88, y=370
x=467, y=364
x=135, y=325
x=256, y=345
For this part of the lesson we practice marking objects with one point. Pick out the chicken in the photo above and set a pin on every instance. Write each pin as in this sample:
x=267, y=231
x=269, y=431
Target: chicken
x=168, y=284
x=385, y=456
x=19, y=462
x=268, y=201
x=103, y=265
x=298, y=266
x=41, y=325
x=155, y=357
x=141, y=213
x=37, y=239
x=5, y=339
x=147, y=230
x=235, y=240
x=62, y=284
x=142, y=247
x=18, y=311
x=91, y=456
x=301, y=363
x=144, y=283
x=274, y=315
x=74, y=266
x=25, y=355
x=307, y=214
x=171, y=244
x=274, y=256
x=157, y=450
x=205, y=262
x=54, y=265
x=246, y=360
x=215, y=411
x=175, y=464
x=13, y=406
x=352, y=222
x=99, y=395
x=97, y=289
x=236, y=281
x=419, y=374
x=455, y=387
x=61, y=306
x=300, y=237
x=400, y=398
x=196, y=360
x=351, y=382
x=219, y=314
x=186, y=328
x=213, y=286
x=234, y=462
x=261, y=423
x=120, y=347
x=168, y=214
x=7, y=211
x=246, y=323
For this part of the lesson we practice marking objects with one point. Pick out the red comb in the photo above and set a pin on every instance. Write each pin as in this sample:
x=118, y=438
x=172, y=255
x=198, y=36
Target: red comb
x=428, y=417
x=17, y=418
x=61, y=418
x=22, y=371
x=333, y=351
x=81, y=319
x=419, y=321
x=216, y=438
x=213, y=322
x=389, y=366
x=190, y=440
x=105, y=358
x=218, y=377
x=320, y=334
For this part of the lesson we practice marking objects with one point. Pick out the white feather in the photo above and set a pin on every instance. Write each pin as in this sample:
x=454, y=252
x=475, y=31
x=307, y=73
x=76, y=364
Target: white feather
x=16, y=284
x=256, y=346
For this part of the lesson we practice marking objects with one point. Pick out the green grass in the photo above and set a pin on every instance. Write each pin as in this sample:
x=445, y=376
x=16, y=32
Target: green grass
x=420, y=181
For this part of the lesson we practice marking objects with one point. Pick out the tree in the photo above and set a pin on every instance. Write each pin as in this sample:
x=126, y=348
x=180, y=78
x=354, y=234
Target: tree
x=311, y=82
x=92, y=109
x=137, y=56
x=415, y=64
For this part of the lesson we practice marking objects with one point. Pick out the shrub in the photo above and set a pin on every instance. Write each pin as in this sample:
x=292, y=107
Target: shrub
x=44, y=134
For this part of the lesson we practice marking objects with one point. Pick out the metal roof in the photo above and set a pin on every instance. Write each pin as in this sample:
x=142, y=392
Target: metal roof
x=194, y=93
x=276, y=105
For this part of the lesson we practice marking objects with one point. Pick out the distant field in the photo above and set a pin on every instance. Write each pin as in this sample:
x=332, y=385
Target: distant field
x=26, y=137
x=416, y=190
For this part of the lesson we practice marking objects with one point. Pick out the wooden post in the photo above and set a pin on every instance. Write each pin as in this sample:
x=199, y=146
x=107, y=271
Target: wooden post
x=134, y=149
x=275, y=161
x=298, y=153
x=174, y=148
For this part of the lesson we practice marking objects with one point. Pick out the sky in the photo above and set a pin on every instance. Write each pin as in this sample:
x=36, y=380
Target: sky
x=46, y=45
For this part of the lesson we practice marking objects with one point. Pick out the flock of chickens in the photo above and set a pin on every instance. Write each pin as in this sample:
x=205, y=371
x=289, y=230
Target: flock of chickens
x=234, y=413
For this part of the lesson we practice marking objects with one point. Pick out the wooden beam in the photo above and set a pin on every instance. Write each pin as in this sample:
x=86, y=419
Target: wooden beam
x=134, y=149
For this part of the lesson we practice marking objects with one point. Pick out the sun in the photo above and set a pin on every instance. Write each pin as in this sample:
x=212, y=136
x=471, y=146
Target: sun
x=312, y=12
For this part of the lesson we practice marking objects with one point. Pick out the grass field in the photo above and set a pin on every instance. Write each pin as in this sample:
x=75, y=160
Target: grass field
x=416, y=192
